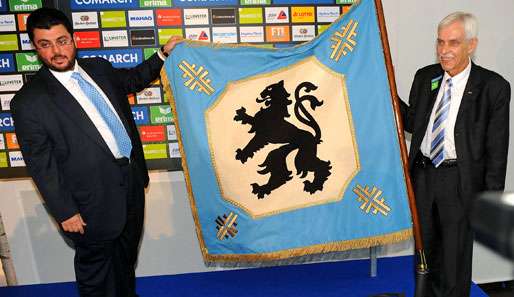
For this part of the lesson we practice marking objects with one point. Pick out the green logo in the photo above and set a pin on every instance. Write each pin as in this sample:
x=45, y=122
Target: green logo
x=322, y=28
x=148, y=52
x=165, y=34
x=155, y=151
x=345, y=1
x=27, y=62
x=3, y=160
x=161, y=114
x=250, y=15
x=24, y=5
x=8, y=42
x=154, y=3
x=255, y=2
x=113, y=19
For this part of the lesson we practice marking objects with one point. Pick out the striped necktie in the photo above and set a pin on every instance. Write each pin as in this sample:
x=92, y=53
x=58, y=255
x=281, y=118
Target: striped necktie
x=118, y=130
x=438, y=128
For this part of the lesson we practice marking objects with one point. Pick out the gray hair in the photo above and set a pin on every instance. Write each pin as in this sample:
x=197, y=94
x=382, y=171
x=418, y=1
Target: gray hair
x=468, y=20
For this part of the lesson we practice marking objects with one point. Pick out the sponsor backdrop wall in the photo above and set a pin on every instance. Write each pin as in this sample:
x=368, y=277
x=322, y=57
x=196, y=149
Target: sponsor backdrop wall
x=126, y=32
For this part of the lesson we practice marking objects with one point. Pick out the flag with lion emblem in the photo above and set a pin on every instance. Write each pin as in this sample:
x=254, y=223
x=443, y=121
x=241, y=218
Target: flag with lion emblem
x=289, y=152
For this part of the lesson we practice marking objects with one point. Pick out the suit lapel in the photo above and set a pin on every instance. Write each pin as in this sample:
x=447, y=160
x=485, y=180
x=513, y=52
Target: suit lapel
x=102, y=80
x=72, y=109
x=470, y=94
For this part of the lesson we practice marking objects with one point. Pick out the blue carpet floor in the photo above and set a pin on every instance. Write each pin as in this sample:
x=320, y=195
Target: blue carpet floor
x=341, y=279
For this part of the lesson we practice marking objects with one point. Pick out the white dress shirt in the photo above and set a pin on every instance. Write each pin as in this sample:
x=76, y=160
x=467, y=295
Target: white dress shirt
x=73, y=87
x=459, y=82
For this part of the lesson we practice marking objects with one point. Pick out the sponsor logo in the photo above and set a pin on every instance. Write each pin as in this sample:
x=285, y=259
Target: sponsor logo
x=140, y=114
x=6, y=63
x=2, y=142
x=24, y=5
x=3, y=160
x=87, y=39
x=251, y=34
x=113, y=19
x=169, y=17
x=322, y=28
x=172, y=132
x=12, y=141
x=142, y=37
x=250, y=15
x=27, y=62
x=149, y=95
x=161, y=114
x=155, y=3
x=8, y=42
x=103, y=4
x=303, y=14
x=303, y=1
x=7, y=22
x=117, y=38
x=148, y=52
x=223, y=16
x=277, y=33
x=196, y=16
x=200, y=34
x=193, y=3
x=303, y=33
x=5, y=100
x=16, y=159
x=6, y=122
x=165, y=34
x=345, y=1
x=131, y=99
x=26, y=45
x=155, y=151
x=224, y=34
x=22, y=21
x=85, y=20
x=345, y=9
x=120, y=58
x=276, y=15
x=174, y=150
x=140, y=18
x=152, y=133
x=10, y=82
x=327, y=14
x=255, y=2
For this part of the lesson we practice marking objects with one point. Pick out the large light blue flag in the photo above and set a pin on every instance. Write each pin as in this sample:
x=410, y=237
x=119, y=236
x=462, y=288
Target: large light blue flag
x=293, y=151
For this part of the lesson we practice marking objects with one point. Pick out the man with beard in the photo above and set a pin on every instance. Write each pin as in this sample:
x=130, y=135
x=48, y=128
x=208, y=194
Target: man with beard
x=82, y=148
x=458, y=115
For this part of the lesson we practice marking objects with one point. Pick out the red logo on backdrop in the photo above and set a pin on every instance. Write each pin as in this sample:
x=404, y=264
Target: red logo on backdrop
x=152, y=133
x=87, y=39
x=169, y=17
x=203, y=36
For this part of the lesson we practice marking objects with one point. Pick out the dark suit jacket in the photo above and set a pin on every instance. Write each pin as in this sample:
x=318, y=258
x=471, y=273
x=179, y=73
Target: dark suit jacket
x=481, y=129
x=67, y=158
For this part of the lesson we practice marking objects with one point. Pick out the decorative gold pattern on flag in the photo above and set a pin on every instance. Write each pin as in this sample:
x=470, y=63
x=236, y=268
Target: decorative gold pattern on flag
x=226, y=226
x=371, y=200
x=196, y=78
x=344, y=40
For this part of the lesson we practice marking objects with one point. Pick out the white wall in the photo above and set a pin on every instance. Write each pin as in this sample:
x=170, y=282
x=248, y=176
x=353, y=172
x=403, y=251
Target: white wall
x=169, y=245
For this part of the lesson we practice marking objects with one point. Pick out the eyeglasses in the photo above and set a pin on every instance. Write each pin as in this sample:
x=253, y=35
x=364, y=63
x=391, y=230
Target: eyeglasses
x=61, y=42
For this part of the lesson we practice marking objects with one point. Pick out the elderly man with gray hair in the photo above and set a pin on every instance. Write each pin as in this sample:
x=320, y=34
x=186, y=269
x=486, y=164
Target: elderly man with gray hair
x=458, y=115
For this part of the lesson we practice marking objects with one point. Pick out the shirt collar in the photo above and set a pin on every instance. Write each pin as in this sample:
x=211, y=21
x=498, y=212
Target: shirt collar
x=64, y=76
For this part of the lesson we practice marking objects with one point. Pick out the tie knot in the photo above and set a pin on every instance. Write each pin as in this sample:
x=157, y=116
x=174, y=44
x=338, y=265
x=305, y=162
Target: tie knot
x=449, y=82
x=76, y=76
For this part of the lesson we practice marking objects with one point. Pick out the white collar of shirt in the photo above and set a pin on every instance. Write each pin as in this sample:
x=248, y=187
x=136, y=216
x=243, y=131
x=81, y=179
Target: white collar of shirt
x=459, y=78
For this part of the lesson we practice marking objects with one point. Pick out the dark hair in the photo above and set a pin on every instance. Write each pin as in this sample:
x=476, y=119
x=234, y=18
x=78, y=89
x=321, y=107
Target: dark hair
x=45, y=18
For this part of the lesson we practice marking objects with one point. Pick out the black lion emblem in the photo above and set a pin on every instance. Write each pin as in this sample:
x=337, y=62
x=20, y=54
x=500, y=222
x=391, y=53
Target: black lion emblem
x=270, y=126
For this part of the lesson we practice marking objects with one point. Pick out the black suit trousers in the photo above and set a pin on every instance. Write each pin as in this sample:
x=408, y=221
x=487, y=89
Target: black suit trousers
x=446, y=233
x=107, y=268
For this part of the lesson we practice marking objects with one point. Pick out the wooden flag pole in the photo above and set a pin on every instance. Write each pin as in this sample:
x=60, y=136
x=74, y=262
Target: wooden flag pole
x=418, y=241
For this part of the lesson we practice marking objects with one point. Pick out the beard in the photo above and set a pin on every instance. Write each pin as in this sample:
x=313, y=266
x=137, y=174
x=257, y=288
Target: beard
x=60, y=63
